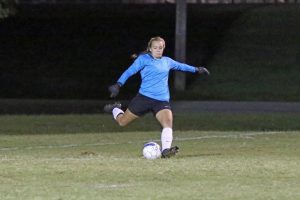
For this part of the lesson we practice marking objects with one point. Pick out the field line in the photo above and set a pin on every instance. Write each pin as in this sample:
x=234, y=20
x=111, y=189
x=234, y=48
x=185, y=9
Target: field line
x=249, y=135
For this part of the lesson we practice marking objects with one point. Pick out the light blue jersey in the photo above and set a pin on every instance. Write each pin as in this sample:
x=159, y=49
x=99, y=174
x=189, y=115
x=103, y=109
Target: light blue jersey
x=154, y=74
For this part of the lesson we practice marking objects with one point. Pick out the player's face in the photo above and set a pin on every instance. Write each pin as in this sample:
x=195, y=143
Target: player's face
x=157, y=49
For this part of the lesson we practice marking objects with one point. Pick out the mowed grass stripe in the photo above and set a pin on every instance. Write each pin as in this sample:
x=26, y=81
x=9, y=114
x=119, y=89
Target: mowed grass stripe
x=246, y=135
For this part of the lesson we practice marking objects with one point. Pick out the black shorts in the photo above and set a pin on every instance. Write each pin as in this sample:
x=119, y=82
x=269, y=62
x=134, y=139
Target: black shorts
x=141, y=105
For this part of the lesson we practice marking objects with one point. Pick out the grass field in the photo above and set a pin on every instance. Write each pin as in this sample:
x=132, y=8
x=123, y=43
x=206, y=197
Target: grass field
x=55, y=159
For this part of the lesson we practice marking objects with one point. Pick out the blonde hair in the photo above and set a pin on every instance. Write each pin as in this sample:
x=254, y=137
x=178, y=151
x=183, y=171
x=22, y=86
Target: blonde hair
x=153, y=39
x=156, y=39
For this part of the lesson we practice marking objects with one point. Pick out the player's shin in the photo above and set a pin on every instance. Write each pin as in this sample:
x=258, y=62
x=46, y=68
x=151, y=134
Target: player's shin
x=166, y=138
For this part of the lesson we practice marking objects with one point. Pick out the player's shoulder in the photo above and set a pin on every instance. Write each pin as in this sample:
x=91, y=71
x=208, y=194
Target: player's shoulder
x=144, y=56
x=167, y=58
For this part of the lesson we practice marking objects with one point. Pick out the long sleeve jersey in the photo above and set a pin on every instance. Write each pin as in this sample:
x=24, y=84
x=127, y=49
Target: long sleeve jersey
x=154, y=75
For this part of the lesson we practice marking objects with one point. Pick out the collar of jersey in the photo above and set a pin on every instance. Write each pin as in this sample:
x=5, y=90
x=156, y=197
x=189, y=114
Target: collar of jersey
x=153, y=57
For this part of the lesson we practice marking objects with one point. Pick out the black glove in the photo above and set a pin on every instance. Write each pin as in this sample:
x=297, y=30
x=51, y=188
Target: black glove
x=114, y=90
x=202, y=70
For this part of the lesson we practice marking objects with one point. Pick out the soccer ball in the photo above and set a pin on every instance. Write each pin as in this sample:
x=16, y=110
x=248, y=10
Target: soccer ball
x=151, y=151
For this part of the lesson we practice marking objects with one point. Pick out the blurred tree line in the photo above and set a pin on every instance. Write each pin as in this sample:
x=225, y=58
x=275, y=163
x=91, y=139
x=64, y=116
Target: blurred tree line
x=7, y=8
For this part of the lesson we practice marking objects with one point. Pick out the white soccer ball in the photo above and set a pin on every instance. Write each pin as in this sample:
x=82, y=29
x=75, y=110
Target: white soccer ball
x=151, y=151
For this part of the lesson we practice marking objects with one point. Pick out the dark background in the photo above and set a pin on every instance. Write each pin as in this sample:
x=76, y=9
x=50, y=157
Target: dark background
x=76, y=51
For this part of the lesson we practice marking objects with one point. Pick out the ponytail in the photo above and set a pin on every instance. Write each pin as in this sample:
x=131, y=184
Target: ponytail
x=133, y=56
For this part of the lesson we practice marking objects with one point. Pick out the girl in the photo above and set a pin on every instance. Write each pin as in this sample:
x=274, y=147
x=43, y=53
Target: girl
x=153, y=95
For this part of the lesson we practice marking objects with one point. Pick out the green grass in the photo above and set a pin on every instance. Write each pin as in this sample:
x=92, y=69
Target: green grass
x=211, y=165
x=98, y=123
x=89, y=157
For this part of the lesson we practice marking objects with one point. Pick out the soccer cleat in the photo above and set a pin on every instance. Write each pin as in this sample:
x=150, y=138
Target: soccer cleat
x=109, y=107
x=167, y=153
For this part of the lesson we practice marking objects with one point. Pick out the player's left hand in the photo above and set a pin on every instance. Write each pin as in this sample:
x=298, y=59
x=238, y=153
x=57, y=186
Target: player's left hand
x=202, y=70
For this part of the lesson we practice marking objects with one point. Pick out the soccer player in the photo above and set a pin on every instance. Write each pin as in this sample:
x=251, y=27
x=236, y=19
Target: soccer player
x=153, y=95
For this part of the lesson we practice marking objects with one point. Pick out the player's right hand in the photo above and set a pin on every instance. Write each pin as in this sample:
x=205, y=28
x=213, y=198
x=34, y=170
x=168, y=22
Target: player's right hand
x=114, y=90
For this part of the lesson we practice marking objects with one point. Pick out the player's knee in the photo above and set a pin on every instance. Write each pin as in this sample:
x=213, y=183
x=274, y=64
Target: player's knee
x=168, y=123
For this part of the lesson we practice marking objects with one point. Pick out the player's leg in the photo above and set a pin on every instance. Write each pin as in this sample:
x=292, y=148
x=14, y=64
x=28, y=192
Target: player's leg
x=137, y=107
x=122, y=118
x=165, y=118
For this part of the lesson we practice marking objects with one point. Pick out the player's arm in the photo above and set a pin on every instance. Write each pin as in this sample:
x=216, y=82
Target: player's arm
x=133, y=69
x=187, y=68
